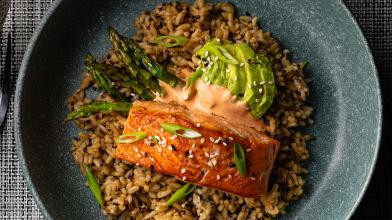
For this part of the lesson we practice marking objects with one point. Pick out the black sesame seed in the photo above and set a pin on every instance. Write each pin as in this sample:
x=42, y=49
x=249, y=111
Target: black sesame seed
x=152, y=144
x=152, y=168
x=186, y=153
x=145, y=154
x=254, y=175
x=231, y=165
x=121, y=126
x=173, y=147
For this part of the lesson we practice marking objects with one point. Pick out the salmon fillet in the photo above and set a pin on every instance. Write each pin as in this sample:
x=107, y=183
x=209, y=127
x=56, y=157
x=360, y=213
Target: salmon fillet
x=205, y=161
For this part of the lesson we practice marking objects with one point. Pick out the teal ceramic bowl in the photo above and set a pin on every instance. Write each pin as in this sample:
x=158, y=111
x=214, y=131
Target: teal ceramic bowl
x=345, y=93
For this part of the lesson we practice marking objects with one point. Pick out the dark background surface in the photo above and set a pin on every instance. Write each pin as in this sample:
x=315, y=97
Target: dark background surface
x=375, y=18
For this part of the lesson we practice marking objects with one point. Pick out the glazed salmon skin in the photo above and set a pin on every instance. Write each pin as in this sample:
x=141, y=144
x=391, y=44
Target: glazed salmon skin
x=204, y=161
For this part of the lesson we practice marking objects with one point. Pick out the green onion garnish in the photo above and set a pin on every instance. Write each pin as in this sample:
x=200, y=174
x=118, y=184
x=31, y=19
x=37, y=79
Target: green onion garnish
x=131, y=137
x=239, y=158
x=192, y=79
x=179, y=40
x=93, y=184
x=181, y=193
x=180, y=131
x=228, y=57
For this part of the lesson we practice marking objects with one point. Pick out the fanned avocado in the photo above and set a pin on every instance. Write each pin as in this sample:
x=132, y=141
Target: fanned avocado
x=245, y=74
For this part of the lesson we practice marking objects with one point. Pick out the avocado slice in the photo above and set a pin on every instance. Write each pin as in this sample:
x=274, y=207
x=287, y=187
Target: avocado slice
x=247, y=75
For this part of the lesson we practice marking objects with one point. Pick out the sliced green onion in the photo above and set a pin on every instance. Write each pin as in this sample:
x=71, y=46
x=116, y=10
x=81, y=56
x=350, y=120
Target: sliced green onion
x=154, y=139
x=179, y=40
x=214, y=47
x=180, y=131
x=131, y=137
x=192, y=79
x=93, y=184
x=228, y=56
x=239, y=158
x=181, y=193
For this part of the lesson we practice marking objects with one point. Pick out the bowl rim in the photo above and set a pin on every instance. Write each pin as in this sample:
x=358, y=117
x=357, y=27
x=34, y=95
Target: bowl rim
x=26, y=60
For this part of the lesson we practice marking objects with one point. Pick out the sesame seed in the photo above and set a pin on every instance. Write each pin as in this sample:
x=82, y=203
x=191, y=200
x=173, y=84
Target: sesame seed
x=190, y=156
x=231, y=138
x=208, y=83
x=187, y=153
x=249, y=86
x=136, y=150
x=242, y=64
x=152, y=168
x=253, y=178
x=198, y=125
x=137, y=164
x=152, y=144
x=224, y=143
x=133, y=94
x=231, y=165
x=230, y=176
x=206, y=53
x=206, y=154
x=257, y=100
x=254, y=83
x=212, y=139
x=182, y=170
x=262, y=83
x=173, y=137
x=235, y=78
x=218, y=177
x=161, y=129
x=216, y=59
x=184, y=178
x=159, y=149
x=173, y=148
x=139, y=156
x=193, y=145
x=227, y=70
x=248, y=150
x=260, y=90
x=152, y=159
x=145, y=154
x=217, y=39
x=202, y=140
x=270, y=82
x=139, y=129
x=204, y=69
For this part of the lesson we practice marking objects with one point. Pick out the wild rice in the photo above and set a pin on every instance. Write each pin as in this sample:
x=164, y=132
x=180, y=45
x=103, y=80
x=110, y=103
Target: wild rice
x=133, y=192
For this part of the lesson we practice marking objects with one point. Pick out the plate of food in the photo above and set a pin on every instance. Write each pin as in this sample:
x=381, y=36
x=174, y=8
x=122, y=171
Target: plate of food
x=198, y=110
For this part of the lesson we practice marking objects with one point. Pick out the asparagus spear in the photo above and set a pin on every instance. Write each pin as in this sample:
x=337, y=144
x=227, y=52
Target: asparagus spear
x=124, y=79
x=102, y=80
x=152, y=66
x=99, y=107
x=122, y=50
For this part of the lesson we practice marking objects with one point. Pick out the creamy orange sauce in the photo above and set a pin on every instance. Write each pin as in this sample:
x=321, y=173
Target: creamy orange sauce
x=211, y=99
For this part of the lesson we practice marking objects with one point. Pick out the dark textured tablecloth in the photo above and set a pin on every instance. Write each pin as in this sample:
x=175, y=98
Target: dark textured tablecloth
x=375, y=18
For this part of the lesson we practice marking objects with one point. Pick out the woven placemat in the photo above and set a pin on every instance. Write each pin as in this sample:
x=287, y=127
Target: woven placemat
x=374, y=16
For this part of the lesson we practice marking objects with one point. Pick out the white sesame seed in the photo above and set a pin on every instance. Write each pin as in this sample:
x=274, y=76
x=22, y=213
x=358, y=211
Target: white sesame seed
x=137, y=164
x=161, y=129
x=139, y=129
x=193, y=145
x=231, y=138
x=206, y=53
x=216, y=59
x=212, y=139
x=138, y=155
x=152, y=159
x=248, y=150
x=242, y=64
x=227, y=70
x=204, y=69
x=217, y=39
x=206, y=154
x=262, y=83
x=173, y=137
x=182, y=170
x=159, y=149
x=202, y=140
x=257, y=100
x=230, y=176
x=260, y=90
x=208, y=83
x=136, y=150
x=225, y=144
x=254, y=83
x=249, y=86
x=253, y=178
x=235, y=78
x=198, y=125
x=133, y=94
x=184, y=178
x=218, y=177
x=270, y=82
x=190, y=156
